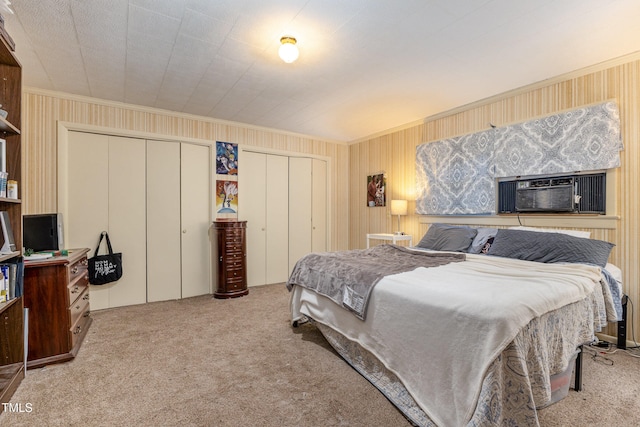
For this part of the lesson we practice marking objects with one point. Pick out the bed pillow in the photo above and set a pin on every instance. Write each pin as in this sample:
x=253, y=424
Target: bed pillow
x=481, y=239
x=549, y=247
x=444, y=237
x=575, y=233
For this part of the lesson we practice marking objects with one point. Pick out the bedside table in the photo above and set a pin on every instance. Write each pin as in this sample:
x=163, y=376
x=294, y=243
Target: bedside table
x=389, y=237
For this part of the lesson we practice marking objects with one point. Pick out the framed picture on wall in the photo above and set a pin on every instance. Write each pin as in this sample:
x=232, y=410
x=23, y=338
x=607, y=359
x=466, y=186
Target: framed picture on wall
x=226, y=158
x=226, y=197
x=376, y=185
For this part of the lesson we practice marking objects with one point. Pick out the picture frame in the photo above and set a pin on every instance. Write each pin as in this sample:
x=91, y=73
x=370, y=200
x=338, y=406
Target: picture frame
x=226, y=197
x=376, y=190
x=226, y=158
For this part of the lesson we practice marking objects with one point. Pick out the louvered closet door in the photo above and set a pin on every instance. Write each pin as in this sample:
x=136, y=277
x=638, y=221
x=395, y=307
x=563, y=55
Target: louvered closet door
x=164, y=277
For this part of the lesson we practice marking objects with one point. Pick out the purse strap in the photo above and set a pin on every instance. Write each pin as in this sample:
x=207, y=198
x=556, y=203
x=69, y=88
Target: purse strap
x=104, y=234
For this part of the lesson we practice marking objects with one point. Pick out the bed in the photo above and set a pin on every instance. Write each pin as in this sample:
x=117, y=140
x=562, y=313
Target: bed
x=468, y=328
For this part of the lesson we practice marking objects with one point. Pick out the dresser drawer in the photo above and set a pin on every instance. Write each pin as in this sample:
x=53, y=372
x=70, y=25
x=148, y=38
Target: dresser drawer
x=78, y=269
x=76, y=287
x=80, y=307
x=79, y=329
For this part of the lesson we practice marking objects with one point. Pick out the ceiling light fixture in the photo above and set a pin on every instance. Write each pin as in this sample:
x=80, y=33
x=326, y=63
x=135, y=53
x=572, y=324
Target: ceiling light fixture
x=288, y=50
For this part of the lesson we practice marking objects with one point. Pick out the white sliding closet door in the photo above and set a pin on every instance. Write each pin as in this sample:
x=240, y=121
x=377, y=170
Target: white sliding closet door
x=164, y=276
x=195, y=204
x=106, y=192
x=263, y=185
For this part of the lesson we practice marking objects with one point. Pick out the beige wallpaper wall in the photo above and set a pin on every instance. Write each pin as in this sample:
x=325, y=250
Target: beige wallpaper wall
x=42, y=111
x=394, y=154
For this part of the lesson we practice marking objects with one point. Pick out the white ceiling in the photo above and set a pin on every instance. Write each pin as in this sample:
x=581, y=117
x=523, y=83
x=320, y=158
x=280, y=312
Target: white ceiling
x=364, y=66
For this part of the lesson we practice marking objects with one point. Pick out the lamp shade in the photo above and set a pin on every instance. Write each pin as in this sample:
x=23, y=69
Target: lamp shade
x=288, y=50
x=398, y=207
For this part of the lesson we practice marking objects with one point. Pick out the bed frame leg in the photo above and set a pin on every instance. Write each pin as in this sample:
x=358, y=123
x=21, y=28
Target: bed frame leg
x=578, y=374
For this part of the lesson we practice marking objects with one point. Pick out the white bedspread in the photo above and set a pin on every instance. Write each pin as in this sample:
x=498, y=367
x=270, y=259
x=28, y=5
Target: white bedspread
x=438, y=329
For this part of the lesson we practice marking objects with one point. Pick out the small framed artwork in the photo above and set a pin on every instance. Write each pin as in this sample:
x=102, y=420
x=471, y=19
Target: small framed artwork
x=376, y=185
x=226, y=158
x=226, y=197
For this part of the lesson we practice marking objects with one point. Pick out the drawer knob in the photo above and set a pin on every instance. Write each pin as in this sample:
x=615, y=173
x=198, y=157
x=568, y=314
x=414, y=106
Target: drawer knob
x=86, y=297
x=87, y=313
x=75, y=269
x=77, y=330
x=74, y=290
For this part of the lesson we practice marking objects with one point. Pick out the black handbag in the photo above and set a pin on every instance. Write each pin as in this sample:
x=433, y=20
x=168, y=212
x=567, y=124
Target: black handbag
x=105, y=268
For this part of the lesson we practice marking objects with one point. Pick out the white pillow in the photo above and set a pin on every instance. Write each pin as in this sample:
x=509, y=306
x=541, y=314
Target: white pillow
x=574, y=233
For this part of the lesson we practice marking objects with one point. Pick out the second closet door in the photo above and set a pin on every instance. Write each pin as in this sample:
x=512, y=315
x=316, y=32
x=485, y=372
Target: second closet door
x=106, y=192
x=263, y=183
x=177, y=220
x=195, y=177
x=163, y=221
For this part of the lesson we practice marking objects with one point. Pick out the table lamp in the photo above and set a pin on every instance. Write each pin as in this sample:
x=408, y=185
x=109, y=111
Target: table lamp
x=399, y=207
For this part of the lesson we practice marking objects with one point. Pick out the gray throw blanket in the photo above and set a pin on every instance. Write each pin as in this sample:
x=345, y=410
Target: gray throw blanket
x=348, y=277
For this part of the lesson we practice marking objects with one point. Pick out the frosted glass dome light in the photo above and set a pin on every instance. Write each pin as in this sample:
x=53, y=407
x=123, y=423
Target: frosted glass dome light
x=288, y=50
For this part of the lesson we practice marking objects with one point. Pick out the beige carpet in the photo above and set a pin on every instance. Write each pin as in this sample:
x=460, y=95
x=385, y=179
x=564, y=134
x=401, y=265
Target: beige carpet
x=208, y=362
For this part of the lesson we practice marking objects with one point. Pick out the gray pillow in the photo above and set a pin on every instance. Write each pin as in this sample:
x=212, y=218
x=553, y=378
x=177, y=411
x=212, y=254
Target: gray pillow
x=443, y=237
x=550, y=247
x=484, y=234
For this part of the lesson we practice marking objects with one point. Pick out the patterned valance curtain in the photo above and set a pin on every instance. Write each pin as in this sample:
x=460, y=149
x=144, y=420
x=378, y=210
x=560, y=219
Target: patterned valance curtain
x=454, y=177
x=457, y=176
x=579, y=140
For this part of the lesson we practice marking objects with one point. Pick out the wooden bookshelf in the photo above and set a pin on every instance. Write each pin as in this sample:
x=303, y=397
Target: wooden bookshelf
x=11, y=312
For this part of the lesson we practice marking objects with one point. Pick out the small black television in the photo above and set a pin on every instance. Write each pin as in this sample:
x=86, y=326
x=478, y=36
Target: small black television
x=42, y=232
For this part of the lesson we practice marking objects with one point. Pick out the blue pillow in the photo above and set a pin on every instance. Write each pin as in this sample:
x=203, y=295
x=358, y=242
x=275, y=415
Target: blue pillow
x=444, y=237
x=549, y=247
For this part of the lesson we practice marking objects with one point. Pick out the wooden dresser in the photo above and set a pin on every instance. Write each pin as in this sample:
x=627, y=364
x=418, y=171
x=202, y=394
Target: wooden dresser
x=228, y=258
x=56, y=291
